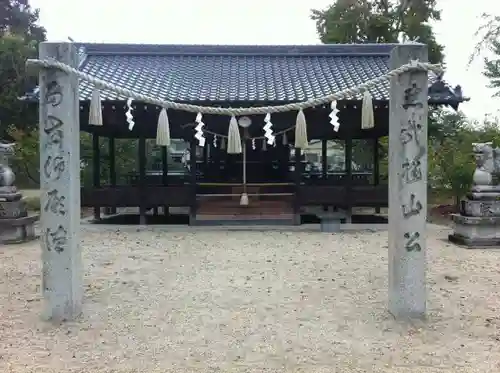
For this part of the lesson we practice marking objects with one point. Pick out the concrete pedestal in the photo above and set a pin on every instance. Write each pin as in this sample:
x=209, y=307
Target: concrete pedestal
x=15, y=224
x=18, y=230
x=476, y=231
x=330, y=222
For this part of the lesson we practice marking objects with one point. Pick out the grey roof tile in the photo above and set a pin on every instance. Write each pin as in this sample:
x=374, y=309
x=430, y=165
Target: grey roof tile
x=221, y=73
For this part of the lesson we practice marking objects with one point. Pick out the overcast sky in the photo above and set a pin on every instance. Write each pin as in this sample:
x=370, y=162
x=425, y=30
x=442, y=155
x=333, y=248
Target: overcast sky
x=255, y=22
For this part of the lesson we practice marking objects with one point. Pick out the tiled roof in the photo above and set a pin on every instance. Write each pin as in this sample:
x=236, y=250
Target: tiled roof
x=222, y=73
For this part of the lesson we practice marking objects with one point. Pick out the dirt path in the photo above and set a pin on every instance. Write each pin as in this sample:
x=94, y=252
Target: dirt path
x=251, y=302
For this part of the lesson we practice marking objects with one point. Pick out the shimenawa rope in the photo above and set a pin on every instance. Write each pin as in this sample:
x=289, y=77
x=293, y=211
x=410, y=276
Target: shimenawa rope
x=343, y=94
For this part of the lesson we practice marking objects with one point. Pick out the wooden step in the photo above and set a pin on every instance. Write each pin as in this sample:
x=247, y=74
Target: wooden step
x=256, y=209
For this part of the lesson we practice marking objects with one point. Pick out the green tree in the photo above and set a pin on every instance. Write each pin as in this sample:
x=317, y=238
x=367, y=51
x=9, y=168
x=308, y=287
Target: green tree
x=451, y=165
x=379, y=21
x=383, y=21
x=492, y=66
x=19, y=18
x=444, y=124
x=26, y=161
x=488, y=33
x=19, y=38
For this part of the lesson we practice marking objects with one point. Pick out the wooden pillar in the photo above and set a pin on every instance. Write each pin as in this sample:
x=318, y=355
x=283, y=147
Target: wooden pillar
x=408, y=185
x=324, y=166
x=298, y=180
x=324, y=160
x=376, y=168
x=142, y=179
x=112, y=170
x=192, y=164
x=348, y=172
x=96, y=171
x=62, y=271
x=164, y=176
x=205, y=155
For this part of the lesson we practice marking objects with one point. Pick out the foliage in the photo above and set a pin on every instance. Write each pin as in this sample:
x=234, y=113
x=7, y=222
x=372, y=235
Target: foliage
x=451, y=164
x=14, y=82
x=444, y=124
x=17, y=17
x=26, y=161
x=492, y=67
x=19, y=38
x=379, y=21
x=488, y=33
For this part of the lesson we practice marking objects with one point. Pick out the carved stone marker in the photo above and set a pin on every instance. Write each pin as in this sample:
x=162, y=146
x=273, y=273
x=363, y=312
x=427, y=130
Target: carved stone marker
x=408, y=185
x=478, y=224
x=60, y=185
x=15, y=224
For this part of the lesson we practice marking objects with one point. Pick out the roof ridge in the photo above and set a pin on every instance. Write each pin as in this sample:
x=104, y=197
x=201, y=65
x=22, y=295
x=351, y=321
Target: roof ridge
x=246, y=50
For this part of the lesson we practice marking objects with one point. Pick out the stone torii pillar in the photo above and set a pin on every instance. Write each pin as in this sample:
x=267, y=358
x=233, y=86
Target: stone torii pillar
x=60, y=185
x=408, y=184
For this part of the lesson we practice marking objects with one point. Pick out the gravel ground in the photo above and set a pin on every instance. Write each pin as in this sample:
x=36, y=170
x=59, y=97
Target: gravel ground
x=251, y=302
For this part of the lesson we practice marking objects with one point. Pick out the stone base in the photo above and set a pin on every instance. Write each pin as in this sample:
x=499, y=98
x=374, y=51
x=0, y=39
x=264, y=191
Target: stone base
x=483, y=196
x=18, y=230
x=9, y=194
x=14, y=209
x=331, y=221
x=475, y=232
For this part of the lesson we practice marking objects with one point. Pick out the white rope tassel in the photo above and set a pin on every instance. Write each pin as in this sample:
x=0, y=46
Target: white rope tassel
x=264, y=145
x=301, y=140
x=95, y=112
x=223, y=143
x=163, y=129
x=367, y=116
x=233, y=137
x=244, y=199
x=284, y=140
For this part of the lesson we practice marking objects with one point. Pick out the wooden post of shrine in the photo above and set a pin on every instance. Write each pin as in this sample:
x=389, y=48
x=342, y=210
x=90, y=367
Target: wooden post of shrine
x=60, y=185
x=408, y=185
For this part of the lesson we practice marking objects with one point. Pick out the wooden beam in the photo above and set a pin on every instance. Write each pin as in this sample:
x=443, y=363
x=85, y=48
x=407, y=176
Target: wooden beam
x=376, y=167
x=164, y=165
x=348, y=173
x=324, y=165
x=298, y=180
x=142, y=178
x=96, y=170
x=192, y=163
x=112, y=169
